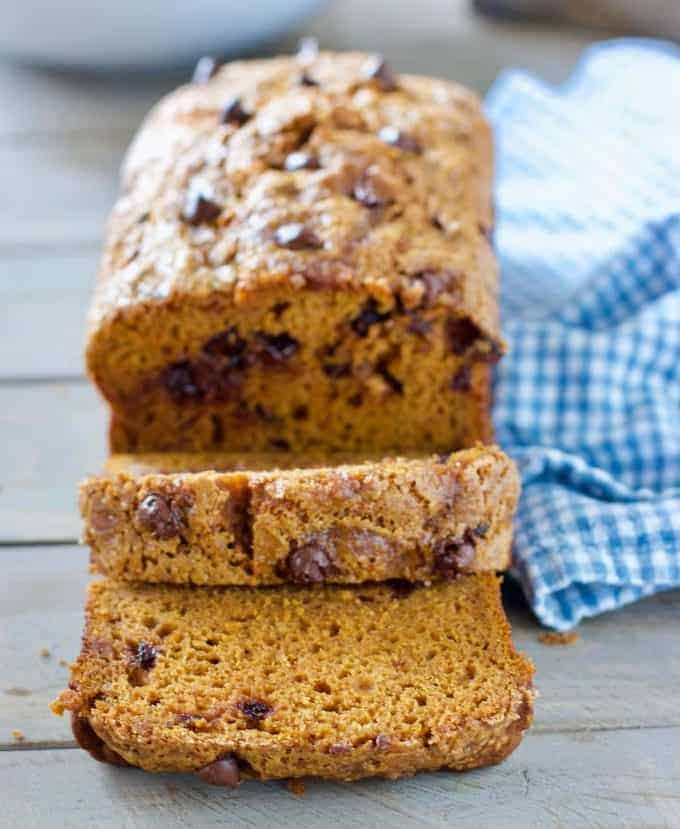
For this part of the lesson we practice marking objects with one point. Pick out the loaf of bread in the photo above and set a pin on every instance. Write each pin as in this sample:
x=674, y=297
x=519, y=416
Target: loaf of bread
x=300, y=258
x=249, y=520
x=333, y=682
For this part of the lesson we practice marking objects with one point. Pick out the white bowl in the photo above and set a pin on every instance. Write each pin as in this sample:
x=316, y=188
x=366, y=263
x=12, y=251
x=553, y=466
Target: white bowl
x=126, y=34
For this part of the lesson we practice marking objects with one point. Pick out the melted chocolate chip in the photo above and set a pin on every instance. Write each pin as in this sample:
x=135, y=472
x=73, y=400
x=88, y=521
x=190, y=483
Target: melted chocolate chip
x=87, y=739
x=393, y=382
x=156, y=514
x=481, y=529
x=229, y=346
x=396, y=137
x=461, y=333
x=307, y=80
x=276, y=348
x=205, y=69
x=234, y=113
x=223, y=772
x=368, y=316
x=300, y=160
x=308, y=563
x=461, y=380
x=369, y=192
x=254, y=709
x=180, y=381
x=145, y=656
x=336, y=370
x=300, y=412
x=453, y=556
x=296, y=236
x=377, y=69
x=199, y=208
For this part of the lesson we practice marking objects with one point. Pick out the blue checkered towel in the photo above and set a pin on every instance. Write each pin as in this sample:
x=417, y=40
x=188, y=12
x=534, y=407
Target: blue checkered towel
x=588, y=401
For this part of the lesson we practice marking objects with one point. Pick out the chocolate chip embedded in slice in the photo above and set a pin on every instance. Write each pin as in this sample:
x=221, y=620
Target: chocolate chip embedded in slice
x=145, y=656
x=453, y=556
x=296, y=236
x=482, y=529
x=276, y=348
x=307, y=80
x=300, y=160
x=309, y=563
x=462, y=379
x=254, y=709
x=181, y=383
x=199, y=207
x=156, y=514
x=461, y=333
x=377, y=69
x=227, y=345
x=233, y=112
x=396, y=137
x=223, y=772
x=205, y=69
x=368, y=317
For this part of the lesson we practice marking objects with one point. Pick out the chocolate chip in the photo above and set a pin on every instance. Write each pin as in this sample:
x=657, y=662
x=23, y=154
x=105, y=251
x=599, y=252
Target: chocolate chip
x=300, y=412
x=279, y=308
x=296, y=236
x=453, y=556
x=307, y=80
x=145, y=656
x=87, y=739
x=156, y=514
x=368, y=316
x=461, y=380
x=199, y=208
x=301, y=160
x=393, y=382
x=205, y=69
x=308, y=563
x=180, y=381
x=461, y=333
x=336, y=370
x=396, y=137
x=254, y=709
x=229, y=346
x=279, y=443
x=401, y=588
x=223, y=772
x=382, y=742
x=308, y=49
x=234, y=113
x=481, y=529
x=370, y=192
x=276, y=348
x=376, y=68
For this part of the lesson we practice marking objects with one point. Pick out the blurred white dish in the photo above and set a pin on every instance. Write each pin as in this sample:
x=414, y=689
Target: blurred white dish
x=117, y=34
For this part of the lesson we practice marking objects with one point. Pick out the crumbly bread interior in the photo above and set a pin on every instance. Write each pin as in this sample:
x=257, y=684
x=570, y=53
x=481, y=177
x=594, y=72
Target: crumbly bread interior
x=329, y=681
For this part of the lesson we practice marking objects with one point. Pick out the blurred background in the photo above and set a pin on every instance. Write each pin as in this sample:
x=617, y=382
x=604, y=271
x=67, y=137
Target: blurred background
x=77, y=77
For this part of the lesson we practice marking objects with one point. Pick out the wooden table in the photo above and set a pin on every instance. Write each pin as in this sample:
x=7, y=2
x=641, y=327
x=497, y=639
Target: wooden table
x=605, y=749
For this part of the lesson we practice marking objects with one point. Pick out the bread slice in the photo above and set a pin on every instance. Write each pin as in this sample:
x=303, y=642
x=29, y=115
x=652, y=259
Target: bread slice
x=249, y=519
x=333, y=682
x=301, y=255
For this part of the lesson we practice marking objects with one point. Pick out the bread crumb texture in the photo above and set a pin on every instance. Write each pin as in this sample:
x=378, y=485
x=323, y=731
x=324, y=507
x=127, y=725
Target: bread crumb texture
x=286, y=682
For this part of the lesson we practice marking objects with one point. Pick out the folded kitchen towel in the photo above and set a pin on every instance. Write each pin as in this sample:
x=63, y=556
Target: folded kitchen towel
x=588, y=400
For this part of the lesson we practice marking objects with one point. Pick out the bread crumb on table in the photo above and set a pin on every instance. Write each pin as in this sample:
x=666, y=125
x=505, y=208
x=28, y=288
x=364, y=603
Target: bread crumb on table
x=554, y=637
x=44, y=652
x=19, y=736
x=297, y=787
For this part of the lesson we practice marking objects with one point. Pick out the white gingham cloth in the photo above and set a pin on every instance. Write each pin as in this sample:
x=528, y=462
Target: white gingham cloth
x=588, y=400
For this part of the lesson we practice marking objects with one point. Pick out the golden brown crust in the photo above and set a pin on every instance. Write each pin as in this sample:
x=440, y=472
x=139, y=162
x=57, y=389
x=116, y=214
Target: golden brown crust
x=175, y=678
x=345, y=520
x=387, y=290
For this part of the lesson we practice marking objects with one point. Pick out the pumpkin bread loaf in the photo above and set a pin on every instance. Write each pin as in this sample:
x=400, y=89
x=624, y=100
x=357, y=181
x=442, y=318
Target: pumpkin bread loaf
x=247, y=519
x=300, y=258
x=332, y=682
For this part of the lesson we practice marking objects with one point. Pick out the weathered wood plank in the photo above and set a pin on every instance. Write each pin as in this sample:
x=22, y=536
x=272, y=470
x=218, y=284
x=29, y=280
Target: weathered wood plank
x=606, y=779
x=52, y=435
x=602, y=682
x=43, y=301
